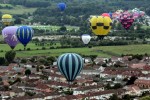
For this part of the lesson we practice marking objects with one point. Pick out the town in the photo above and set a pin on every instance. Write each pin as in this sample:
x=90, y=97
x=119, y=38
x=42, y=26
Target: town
x=120, y=78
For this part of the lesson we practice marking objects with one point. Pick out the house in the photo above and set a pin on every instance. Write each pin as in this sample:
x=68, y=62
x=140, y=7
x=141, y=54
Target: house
x=90, y=83
x=137, y=65
x=37, y=97
x=115, y=59
x=86, y=89
x=21, y=98
x=146, y=69
x=144, y=77
x=104, y=95
x=142, y=83
x=87, y=60
x=56, y=77
x=90, y=72
x=71, y=97
x=132, y=90
x=51, y=96
x=5, y=95
x=100, y=60
x=17, y=92
x=120, y=73
x=34, y=76
x=41, y=87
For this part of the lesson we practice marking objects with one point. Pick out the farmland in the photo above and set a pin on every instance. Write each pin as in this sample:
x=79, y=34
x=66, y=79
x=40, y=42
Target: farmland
x=103, y=51
x=17, y=9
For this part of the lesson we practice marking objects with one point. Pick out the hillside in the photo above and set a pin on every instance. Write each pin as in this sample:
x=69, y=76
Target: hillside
x=45, y=12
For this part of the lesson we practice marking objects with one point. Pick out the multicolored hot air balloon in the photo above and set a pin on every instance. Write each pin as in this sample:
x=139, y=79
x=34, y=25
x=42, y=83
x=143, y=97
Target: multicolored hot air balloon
x=126, y=20
x=86, y=38
x=6, y=19
x=70, y=65
x=100, y=25
x=24, y=34
x=9, y=35
x=61, y=6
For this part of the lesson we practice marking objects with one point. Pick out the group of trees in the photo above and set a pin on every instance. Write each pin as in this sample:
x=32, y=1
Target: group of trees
x=9, y=57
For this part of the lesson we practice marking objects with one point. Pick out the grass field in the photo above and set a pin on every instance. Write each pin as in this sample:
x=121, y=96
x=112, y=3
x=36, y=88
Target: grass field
x=103, y=51
x=17, y=9
x=54, y=28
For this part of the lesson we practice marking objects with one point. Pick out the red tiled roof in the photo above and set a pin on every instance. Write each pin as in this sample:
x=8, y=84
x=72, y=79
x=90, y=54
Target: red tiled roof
x=140, y=81
x=138, y=65
x=89, y=87
x=123, y=71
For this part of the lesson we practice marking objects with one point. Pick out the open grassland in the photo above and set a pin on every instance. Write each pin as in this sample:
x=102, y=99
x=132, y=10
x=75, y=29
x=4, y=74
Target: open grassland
x=103, y=51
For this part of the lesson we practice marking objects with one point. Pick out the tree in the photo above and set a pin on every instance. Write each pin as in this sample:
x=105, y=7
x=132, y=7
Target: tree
x=131, y=80
x=145, y=98
x=126, y=97
x=117, y=85
x=37, y=69
x=23, y=60
x=2, y=60
x=92, y=58
x=62, y=29
x=51, y=59
x=114, y=97
x=108, y=86
x=10, y=55
x=27, y=72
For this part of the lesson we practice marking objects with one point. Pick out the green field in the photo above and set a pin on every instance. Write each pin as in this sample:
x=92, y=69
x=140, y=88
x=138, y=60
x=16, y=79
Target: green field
x=103, y=51
x=17, y=9
x=51, y=27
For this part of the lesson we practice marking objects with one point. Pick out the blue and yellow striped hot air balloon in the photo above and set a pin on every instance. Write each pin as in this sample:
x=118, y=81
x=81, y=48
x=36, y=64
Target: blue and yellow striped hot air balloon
x=70, y=65
x=24, y=34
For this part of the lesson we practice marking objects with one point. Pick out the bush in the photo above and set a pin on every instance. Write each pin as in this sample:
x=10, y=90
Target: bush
x=20, y=50
x=28, y=49
x=43, y=48
x=52, y=48
x=24, y=61
x=37, y=48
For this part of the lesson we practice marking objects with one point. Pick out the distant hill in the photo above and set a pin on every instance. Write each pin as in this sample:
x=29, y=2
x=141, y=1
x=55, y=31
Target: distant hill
x=76, y=13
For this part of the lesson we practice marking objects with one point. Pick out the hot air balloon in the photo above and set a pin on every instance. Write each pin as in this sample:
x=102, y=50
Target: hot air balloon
x=6, y=19
x=126, y=20
x=24, y=34
x=61, y=6
x=105, y=14
x=86, y=38
x=9, y=35
x=110, y=14
x=70, y=65
x=100, y=25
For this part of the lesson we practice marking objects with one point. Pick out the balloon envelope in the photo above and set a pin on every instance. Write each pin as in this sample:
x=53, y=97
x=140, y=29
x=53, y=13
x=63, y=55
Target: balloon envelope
x=105, y=14
x=110, y=14
x=24, y=34
x=61, y=6
x=100, y=25
x=86, y=38
x=7, y=19
x=70, y=65
x=126, y=20
x=9, y=35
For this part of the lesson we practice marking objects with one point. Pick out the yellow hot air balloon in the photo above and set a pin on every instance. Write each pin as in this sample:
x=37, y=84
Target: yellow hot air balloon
x=6, y=19
x=100, y=25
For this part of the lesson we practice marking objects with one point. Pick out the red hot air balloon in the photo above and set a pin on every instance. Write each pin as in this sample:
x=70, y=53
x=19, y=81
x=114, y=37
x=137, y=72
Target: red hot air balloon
x=105, y=14
x=126, y=19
